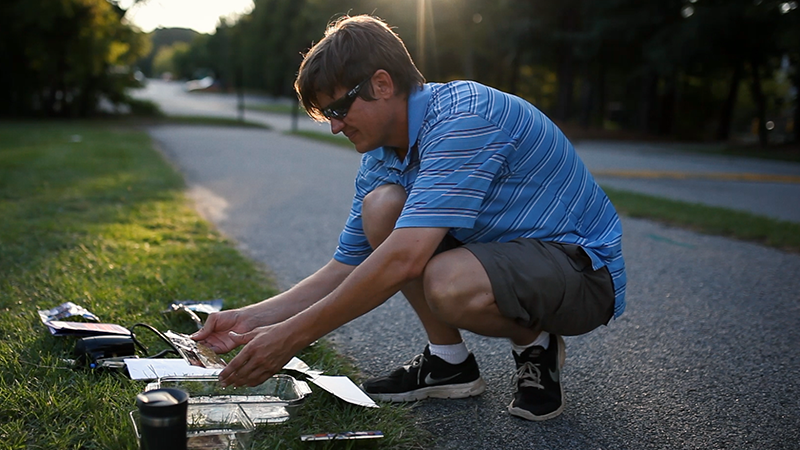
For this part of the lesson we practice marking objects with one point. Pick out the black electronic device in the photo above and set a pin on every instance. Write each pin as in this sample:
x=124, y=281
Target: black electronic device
x=111, y=351
x=94, y=350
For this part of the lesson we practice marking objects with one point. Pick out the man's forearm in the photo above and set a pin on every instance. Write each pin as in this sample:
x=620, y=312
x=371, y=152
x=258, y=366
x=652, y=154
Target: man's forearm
x=302, y=295
x=400, y=259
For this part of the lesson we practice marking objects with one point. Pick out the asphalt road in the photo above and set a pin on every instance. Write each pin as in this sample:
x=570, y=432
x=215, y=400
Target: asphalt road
x=706, y=355
x=762, y=187
x=768, y=188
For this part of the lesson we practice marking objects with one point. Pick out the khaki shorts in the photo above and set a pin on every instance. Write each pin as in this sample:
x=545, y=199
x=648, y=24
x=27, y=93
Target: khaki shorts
x=547, y=286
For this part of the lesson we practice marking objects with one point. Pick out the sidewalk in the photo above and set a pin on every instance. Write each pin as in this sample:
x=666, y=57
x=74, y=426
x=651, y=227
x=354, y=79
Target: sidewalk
x=762, y=187
x=173, y=100
x=768, y=188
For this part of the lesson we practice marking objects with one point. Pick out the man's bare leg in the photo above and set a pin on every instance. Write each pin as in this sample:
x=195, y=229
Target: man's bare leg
x=458, y=291
x=380, y=211
x=430, y=374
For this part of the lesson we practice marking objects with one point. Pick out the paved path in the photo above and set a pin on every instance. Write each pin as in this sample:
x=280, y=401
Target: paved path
x=173, y=100
x=766, y=188
x=763, y=187
x=705, y=357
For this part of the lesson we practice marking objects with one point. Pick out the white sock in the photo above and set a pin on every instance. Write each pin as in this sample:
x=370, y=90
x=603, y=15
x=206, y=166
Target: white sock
x=452, y=354
x=543, y=340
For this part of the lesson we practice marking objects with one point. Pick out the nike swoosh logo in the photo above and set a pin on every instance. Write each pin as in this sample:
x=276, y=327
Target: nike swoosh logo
x=555, y=375
x=429, y=380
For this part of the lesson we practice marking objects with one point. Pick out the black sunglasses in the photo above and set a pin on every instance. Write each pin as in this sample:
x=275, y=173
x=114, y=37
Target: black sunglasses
x=338, y=109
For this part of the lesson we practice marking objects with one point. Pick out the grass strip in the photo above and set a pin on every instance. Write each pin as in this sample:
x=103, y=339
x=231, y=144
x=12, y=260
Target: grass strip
x=194, y=120
x=781, y=152
x=208, y=120
x=336, y=139
x=280, y=108
x=713, y=220
x=93, y=215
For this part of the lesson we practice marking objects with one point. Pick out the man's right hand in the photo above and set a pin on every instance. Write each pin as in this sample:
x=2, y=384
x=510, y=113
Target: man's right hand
x=215, y=332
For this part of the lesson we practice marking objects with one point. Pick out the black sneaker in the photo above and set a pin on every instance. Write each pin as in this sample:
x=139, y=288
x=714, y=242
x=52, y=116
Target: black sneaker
x=427, y=376
x=539, y=394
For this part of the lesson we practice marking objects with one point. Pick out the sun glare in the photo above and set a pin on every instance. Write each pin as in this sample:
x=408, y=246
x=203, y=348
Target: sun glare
x=199, y=15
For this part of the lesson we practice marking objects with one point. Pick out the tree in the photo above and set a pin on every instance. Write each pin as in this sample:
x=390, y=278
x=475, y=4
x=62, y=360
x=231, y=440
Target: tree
x=744, y=39
x=667, y=67
x=161, y=38
x=167, y=59
x=789, y=43
x=60, y=58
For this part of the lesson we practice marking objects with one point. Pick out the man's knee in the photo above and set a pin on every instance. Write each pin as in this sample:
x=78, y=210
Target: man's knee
x=454, y=287
x=380, y=210
x=439, y=290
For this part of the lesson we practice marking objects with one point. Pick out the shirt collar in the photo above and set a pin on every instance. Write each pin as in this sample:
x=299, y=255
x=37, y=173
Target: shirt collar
x=417, y=105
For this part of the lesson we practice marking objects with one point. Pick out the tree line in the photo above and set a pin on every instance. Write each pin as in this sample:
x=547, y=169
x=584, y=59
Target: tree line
x=62, y=58
x=692, y=69
x=696, y=69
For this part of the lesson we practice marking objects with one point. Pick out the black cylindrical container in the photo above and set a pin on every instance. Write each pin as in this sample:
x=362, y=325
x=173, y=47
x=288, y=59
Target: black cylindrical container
x=162, y=419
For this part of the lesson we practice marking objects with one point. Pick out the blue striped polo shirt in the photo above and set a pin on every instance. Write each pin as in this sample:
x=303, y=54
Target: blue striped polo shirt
x=490, y=167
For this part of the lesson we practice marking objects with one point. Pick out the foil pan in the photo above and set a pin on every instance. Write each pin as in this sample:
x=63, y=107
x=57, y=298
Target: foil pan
x=273, y=401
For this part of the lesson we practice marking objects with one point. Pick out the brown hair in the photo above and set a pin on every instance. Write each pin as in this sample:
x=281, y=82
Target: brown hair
x=353, y=49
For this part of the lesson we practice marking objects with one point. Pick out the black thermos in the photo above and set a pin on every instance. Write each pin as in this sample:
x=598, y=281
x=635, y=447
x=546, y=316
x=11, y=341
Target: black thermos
x=162, y=417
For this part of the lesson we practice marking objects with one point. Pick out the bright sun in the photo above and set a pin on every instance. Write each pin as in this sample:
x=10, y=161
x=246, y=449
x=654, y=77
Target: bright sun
x=199, y=15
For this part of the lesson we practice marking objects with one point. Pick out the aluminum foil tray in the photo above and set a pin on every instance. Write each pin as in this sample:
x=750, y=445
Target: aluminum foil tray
x=270, y=402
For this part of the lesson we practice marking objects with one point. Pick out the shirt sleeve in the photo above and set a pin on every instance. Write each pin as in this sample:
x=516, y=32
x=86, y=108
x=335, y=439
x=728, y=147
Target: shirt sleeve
x=353, y=246
x=459, y=159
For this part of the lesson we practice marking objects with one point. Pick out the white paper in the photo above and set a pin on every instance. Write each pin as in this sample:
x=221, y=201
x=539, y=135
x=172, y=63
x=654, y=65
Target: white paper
x=151, y=369
x=298, y=365
x=345, y=389
x=340, y=386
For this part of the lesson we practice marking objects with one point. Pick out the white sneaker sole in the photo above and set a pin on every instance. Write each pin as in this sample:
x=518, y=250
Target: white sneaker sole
x=445, y=391
x=525, y=414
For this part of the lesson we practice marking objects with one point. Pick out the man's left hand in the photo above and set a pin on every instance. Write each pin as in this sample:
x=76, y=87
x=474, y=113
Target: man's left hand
x=266, y=350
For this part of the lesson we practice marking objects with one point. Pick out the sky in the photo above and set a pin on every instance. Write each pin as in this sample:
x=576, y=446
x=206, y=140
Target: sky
x=199, y=15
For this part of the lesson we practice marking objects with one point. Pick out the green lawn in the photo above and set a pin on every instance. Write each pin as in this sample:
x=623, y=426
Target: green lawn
x=783, y=152
x=280, y=108
x=187, y=120
x=336, y=139
x=740, y=225
x=92, y=214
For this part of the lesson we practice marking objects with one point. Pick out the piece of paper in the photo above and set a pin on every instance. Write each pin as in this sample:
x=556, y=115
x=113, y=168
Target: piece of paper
x=59, y=328
x=298, y=365
x=196, y=353
x=202, y=306
x=151, y=369
x=345, y=389
x=65, y=310
x=340, y=386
